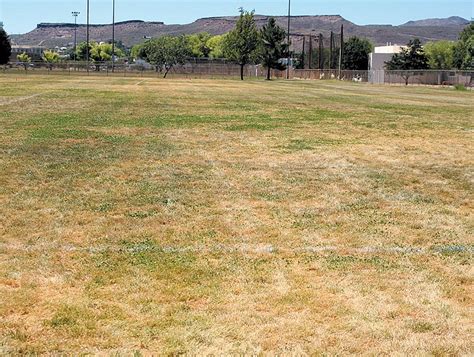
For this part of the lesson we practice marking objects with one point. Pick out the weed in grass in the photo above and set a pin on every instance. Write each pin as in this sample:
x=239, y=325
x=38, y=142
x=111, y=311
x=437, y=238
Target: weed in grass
x=460, y=87
x=251, y=126
x=422, y=327
x=341, y=262
x=141, y=214
x=73, y=320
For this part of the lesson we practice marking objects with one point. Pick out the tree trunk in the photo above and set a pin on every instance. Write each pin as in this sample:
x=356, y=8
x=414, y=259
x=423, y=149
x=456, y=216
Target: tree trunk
x=242, y=72
x=166, y=72
x=269, y=73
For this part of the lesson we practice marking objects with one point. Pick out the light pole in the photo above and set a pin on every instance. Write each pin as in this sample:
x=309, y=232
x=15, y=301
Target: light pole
x=113, y=36
x=289, y=56
x=75, y=14
x=87, y=36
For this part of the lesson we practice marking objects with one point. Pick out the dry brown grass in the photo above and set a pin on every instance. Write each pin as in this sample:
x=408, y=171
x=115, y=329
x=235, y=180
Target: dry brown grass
x=216, y=216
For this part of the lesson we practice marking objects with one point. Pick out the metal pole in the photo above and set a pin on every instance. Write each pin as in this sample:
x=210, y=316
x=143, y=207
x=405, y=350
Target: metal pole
x=321, y=52
x=310, y=60
x=113, y=36
x=341, y=51
x=303, y=56
x=289, y=26
x=87, y=36
x=331, y=50
x=75, y=14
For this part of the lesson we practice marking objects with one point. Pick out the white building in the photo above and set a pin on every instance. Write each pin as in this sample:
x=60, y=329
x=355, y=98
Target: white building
x=377, y=60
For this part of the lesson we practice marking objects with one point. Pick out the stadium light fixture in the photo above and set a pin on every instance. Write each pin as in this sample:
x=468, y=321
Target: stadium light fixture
x=75, y=14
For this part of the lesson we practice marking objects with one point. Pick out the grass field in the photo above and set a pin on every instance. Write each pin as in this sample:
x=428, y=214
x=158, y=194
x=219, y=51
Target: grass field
x=214, y=216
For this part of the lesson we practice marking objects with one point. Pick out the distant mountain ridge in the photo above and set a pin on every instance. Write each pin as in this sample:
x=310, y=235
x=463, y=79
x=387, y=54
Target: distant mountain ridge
x=450, y=21
x=135, y=31
x=69, y=24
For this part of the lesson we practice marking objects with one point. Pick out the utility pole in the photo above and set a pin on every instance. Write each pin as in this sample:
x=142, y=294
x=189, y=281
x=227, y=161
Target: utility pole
x=87, y=36
x=288, y=40
x=75, y=14
x=113, y=36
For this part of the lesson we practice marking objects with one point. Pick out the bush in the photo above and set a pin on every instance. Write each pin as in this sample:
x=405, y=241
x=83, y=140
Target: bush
x=460, y=87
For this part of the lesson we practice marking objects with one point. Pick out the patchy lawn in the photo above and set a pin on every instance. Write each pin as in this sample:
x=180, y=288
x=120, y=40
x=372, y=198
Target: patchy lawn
x=214, y=216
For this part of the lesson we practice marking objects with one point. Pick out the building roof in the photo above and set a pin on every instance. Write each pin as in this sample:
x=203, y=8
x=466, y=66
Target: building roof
x=391, y=49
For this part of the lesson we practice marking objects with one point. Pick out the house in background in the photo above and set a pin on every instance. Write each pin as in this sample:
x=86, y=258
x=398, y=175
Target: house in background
x=35, y=52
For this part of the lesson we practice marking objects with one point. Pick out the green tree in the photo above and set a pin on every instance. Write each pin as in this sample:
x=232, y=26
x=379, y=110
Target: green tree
x=138, y=51
x=50, y=57
x=24, y=59
x=356, y=54
x=272, y=47
x=216, y=46
x=5, y=47
x=102, y=53
x=81, y=50
x=411, y=58
x=463, y=57
x=166, y=52
x=440, y=54
x=241, y=43
x=199, y=44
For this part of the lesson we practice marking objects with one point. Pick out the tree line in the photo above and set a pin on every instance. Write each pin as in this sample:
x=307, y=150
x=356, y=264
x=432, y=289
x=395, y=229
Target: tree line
x=243, y=45
x=246, y=44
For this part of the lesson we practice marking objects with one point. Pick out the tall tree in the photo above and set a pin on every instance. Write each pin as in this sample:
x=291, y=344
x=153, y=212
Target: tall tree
x=463, y=57
x=166, y=52
x=440, y=54
x=5, y=47
x=272, y=46
x=241, y=43
x=356, y=54
x=411, y=58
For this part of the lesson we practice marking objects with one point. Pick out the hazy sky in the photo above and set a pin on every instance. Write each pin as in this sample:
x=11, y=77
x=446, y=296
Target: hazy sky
x=21, y=16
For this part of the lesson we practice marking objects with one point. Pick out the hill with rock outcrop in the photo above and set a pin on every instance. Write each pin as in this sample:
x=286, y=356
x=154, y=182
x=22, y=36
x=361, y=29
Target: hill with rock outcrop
x=136, y=31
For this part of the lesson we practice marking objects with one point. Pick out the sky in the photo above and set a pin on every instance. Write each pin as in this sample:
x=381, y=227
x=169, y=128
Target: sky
x=20, y=16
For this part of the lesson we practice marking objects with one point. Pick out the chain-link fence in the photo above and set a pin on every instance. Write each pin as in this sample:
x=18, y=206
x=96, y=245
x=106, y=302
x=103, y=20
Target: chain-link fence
x=323, y=74
x=196, y=68
x=425, y=77
x=192, y=68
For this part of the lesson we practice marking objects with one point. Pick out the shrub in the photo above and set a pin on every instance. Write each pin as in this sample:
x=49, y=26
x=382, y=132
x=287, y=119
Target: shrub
x=460, y=87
